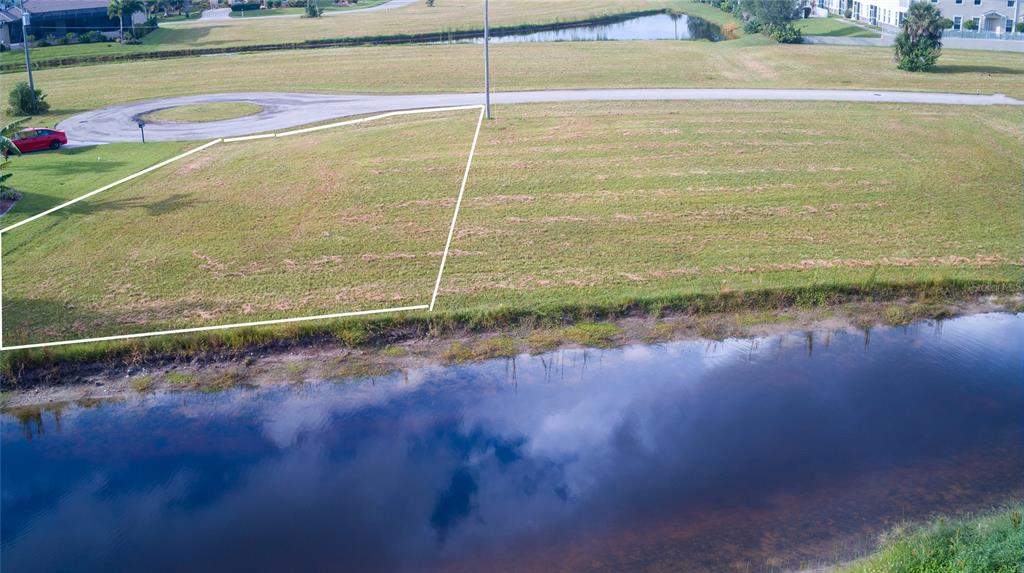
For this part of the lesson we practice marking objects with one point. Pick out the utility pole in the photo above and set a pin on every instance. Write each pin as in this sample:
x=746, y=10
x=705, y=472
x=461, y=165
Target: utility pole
x=25, y=19
x=487, y=63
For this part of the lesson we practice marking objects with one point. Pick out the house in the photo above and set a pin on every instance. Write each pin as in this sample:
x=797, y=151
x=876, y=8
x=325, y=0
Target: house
x=993, y=17
x=57, y=18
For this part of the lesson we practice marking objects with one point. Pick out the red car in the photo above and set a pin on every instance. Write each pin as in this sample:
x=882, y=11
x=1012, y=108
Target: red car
x=38, y=138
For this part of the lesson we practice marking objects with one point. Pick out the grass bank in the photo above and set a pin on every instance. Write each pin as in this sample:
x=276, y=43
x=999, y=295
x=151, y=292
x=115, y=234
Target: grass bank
x=990, y=543
x=572, y=212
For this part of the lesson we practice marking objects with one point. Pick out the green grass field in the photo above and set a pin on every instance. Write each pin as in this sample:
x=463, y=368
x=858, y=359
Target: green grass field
x=568, y=205
x=202, y=112
x=991, y=543
x=833, y=27
x=745, y=63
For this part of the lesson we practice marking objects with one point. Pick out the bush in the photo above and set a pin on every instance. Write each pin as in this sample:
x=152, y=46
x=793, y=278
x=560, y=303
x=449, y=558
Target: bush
x=783, y=33
x=970, y=25
x=69, y=38
x=20, y=101
x=242, y=7
x=312, y=10
x=296, y=3
x=848, y=14
x=92, y=36
x=752, y=26
x=947, y=23
x=1020, y=27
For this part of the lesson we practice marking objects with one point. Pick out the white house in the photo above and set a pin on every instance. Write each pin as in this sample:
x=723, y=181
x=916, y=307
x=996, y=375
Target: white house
x=992, y=16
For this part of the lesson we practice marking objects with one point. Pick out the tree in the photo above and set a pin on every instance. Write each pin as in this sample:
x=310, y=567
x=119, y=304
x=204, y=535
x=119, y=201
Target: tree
x=119, y=8
x=7, y=148
x=21, y=102
x=776, y=12
x=919, y=42
x=312, y=9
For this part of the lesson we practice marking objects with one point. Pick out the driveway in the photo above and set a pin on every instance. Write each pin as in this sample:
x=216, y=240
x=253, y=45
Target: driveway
x=216, y=14
x=287, y=110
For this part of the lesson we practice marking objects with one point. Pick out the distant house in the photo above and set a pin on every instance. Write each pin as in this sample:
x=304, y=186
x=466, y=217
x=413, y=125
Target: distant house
x=57, y=18
x=993, y=17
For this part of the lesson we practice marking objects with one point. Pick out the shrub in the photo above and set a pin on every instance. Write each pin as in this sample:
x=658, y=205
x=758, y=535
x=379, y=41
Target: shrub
x=848, y=14
x=296, y=3
x=92, y=36
x=312, y=10
x=69, y=38
x=970, y=25
x=783, y=33
x=20, y=101
x=752, y=26
x=947, y=23
x=243, y=6
x=1020, y=27
x=919, y=42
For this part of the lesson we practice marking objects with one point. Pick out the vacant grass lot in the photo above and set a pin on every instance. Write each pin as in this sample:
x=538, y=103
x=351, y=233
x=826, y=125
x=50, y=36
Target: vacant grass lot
x=744, y=63
x=567, y=206
x=342, y=220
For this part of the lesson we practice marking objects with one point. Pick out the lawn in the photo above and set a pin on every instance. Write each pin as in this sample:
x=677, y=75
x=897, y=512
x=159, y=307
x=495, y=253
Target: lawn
x=202, y=112
x=833, y=27
x=49, y=178
x=743, y=63
x=325, y=5
x=567, y=206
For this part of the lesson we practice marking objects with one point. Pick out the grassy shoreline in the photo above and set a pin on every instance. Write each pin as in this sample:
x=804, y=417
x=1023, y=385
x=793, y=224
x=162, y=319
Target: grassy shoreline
x=992, y=542
x=863, y=306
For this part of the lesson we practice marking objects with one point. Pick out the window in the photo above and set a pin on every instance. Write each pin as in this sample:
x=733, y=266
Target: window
x=957, y=22
x=1010, y=3
x=959, y=1
x=977, y=2
x=1009, y=25
x=977, y=23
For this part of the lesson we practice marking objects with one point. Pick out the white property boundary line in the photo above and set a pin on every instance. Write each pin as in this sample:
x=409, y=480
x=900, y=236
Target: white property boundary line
x=437, y=283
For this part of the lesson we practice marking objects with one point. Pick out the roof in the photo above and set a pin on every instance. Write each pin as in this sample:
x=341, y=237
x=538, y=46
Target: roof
x=42, y=6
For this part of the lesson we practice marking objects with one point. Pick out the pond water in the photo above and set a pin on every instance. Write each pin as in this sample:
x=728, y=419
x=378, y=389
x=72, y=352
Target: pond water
x=654, y=27
x=742, y=455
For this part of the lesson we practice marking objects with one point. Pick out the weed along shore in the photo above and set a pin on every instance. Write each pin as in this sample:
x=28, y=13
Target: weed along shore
x=371, y=348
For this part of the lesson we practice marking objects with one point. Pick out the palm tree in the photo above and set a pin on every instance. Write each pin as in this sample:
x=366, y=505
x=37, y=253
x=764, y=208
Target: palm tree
x=119, y=8
x=7, y=148
x=919, y=42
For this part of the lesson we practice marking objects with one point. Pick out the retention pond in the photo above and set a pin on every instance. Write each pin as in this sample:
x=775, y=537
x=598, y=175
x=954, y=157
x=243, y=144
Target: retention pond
x=747, y=455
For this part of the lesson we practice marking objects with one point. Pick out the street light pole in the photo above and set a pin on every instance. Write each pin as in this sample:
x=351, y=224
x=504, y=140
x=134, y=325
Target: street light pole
x=24, y=42
x=487, y=63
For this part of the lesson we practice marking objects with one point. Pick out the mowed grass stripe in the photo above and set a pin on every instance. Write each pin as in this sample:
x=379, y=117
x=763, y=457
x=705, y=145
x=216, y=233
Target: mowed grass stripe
x=339, y=220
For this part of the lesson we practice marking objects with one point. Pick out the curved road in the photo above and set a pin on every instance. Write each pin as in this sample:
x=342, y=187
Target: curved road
x=288, y=110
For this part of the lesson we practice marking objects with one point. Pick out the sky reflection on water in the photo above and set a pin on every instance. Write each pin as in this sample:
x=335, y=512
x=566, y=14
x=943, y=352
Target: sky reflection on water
x=758, y=453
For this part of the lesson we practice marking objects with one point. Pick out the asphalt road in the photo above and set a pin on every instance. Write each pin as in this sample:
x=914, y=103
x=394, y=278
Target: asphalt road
x=288, y=110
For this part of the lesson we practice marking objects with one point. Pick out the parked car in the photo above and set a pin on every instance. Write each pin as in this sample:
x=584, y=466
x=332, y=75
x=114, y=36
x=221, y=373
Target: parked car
x=37, y=138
